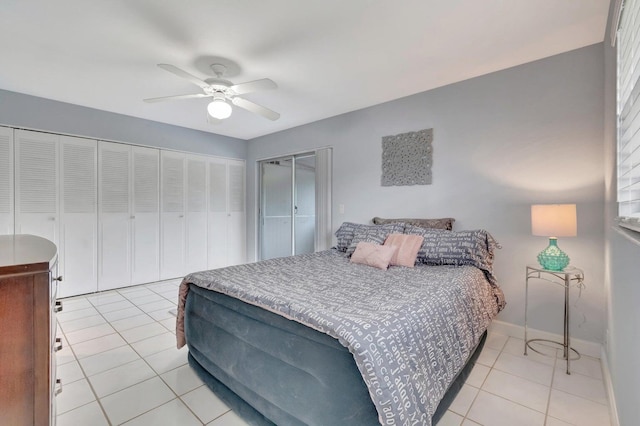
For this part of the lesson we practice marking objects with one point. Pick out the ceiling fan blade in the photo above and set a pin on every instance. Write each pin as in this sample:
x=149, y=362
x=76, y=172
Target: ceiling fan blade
x=180, y=73
x=254, y=86
x=173, y=98
x=253, y=107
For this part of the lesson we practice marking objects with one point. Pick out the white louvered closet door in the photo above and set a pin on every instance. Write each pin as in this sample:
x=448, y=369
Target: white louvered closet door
x=114, y=233
x=78, y=247
x=217, y=236
x=6, y=181
x=236, y=239
x=172, y=226
x=196, y=218
x=36, y=183
x=146, y=215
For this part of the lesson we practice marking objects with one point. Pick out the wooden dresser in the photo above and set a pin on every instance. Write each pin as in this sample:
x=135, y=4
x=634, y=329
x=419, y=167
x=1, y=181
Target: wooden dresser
x=28, y=286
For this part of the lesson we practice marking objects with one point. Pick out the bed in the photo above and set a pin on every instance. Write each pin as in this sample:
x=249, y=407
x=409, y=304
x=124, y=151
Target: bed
x=316, y=339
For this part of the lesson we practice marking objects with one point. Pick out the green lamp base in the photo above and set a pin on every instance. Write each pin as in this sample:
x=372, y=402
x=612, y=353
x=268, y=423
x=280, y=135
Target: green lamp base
x=552, y=258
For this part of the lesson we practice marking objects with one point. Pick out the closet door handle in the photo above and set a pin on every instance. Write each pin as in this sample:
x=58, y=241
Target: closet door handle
x=58, y=307
x=58, y=347
x=58, y=390
x=57, y=278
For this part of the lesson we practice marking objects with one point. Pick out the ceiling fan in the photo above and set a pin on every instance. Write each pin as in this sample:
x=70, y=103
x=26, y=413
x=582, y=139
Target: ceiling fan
x=223, y=92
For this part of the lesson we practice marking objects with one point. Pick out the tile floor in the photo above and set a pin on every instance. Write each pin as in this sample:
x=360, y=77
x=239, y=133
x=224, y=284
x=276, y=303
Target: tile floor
x=120, y=365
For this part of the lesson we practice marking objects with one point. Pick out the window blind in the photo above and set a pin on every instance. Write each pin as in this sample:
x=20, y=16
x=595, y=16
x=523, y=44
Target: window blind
x=628, y=50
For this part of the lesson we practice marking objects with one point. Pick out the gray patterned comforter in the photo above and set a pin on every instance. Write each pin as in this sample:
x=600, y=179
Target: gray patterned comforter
x=410, y=330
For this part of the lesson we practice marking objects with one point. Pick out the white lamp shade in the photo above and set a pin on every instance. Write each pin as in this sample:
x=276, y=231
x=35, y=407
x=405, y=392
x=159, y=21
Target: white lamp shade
x=554, y=220
x=219, y=109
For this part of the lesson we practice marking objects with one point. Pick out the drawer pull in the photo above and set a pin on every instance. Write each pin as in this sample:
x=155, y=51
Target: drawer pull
x=58, y=307
x=58, y=387
x=58, y=347
x=57, y=278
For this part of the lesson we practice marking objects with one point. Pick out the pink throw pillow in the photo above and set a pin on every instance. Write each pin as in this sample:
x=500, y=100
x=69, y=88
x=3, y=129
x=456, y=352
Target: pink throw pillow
x=372, y=254
x=408, y=247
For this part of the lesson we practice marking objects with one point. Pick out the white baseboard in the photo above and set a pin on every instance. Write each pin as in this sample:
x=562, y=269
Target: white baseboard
x=592, y=349
x=585, y=347
x=613, y=409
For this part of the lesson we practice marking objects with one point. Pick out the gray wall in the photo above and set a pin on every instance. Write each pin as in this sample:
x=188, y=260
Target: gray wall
x=503, y=141
x=622, y=270
x=19, y=110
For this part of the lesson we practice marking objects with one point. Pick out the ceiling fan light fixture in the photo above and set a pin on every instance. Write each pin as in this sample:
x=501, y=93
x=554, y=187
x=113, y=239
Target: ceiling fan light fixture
x=219, y=109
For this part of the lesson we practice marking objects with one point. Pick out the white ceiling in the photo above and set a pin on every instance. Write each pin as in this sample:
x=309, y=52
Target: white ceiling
x=328, y=57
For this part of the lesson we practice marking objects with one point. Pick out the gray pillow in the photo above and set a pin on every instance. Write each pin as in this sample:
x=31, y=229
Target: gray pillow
x=443, y=223
x=373, y=234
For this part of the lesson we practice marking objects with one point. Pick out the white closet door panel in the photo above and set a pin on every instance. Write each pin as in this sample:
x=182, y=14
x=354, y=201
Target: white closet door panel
x=36, y=174
x=114, y=263
x=196, y=242
x=78, y=251
x=218, y=186
x=78, y=216
x=236, y=246
x=172, y=257
x=146, y=180
x=196, y=184
x=236, y=186
x=146, y=218
x=6, y=181
x=146, y=248
x=217, y=240
x=114, y=237
x=172, y=227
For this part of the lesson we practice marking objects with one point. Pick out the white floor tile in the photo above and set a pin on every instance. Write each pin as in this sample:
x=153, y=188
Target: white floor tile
x=89, y=414
x=463, y=400
x=228, y=419
x=143, y=332
x=586, y=366
x=115, y=306
x=64, y=355
x=73, y=396
x=525, y=368
x=109, y=359
x=555, y=422
x=478, y=375
x=450, y=418
x=89, y=333
x=135, y=400
x=182, y=379
x=577, y=384
x=170, y=414
x=168, y=359
x=516, y=347
x=64, y=317
x=156, y=306
x=95, y=346
x=132, y=322
x=488, y=409
x=121, y=377
x=496, y=341
x=169, y=324
x=468, y=422
x=105, y=298
x=155, y=344
x=488, y=356
x=522, y=391
x=121, y=314
x=136, y=291
x=69, y=372
x=146, y=298
x=162, y=314
x=205, y=404
x=576, y=410
x=81, y=323
x=70, y=305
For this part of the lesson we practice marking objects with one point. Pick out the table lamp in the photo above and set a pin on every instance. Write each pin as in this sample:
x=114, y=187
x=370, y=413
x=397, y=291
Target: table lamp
x=553, y=221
